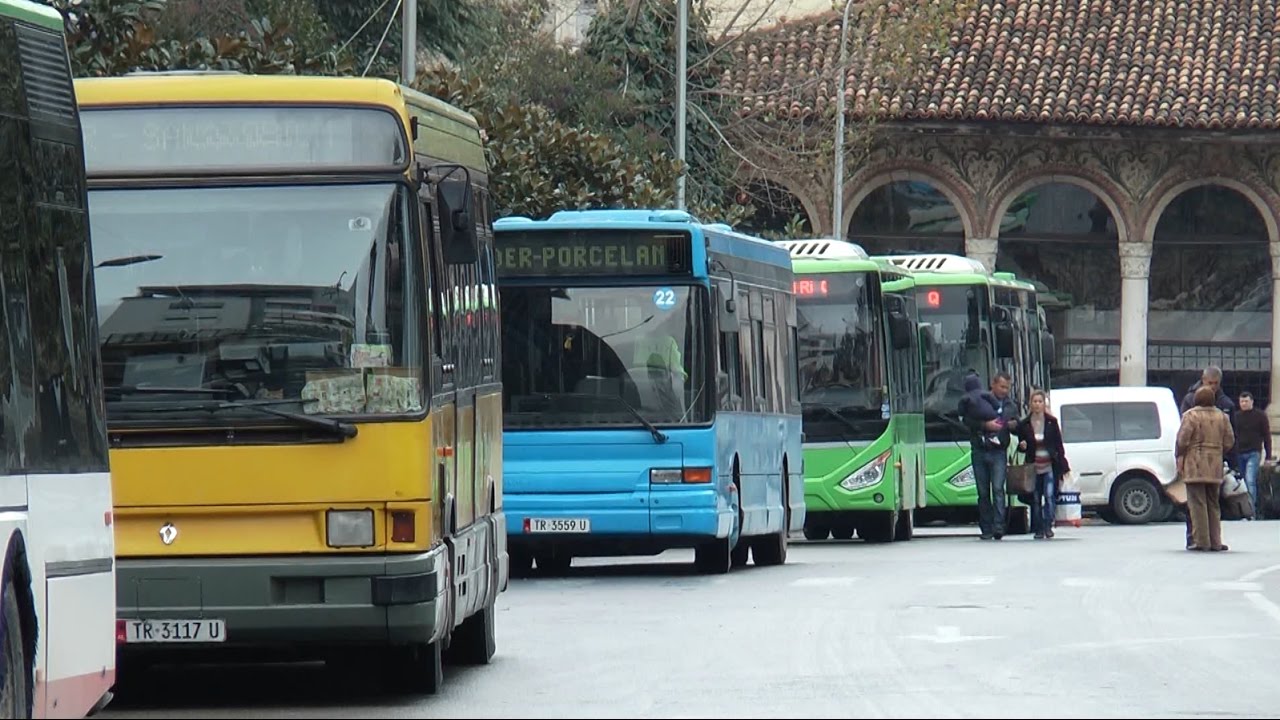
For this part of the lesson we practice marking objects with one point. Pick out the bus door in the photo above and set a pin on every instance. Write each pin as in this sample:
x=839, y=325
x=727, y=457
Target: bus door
x=905, y=396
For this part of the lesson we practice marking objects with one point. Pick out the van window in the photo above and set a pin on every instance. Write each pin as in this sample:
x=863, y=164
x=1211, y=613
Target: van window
x=1091, y=422
x=1137, y=421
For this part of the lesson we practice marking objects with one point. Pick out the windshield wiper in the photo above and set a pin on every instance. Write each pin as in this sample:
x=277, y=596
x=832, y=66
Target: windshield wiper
x=158, y=390
x=658, y=436
x=128, y=260
x=836, y=414
x=337, y=427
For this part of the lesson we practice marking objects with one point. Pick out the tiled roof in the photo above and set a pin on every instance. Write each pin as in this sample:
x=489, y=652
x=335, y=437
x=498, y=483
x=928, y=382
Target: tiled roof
x=1196, y=64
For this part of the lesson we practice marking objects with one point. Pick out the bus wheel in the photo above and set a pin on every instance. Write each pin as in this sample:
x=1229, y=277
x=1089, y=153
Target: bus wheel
x=816, y=531
x=905, y=529
x=713, y=558
x=878, y=527
x=418, y=668
x=521, y=563
x=473, y=642
x=844, y=530
x=554, y=563
x=772, y=549
x=15, y=683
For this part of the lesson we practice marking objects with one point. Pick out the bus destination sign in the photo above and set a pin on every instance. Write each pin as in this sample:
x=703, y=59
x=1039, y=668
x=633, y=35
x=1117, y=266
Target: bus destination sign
x=555, y=253
x=240, y=138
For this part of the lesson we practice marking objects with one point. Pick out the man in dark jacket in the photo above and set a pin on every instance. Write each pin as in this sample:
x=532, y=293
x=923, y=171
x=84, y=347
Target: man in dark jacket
x=989, y=441
x=1210, y=378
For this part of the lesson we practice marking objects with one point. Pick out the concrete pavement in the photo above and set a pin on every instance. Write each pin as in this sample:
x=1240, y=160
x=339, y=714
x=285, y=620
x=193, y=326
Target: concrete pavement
x=1102, y=621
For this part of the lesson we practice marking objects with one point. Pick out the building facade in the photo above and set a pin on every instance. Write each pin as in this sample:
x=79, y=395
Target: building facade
x=1123, y=155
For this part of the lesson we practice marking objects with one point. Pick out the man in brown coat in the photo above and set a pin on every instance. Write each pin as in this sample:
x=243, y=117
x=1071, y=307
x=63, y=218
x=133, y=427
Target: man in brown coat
x=1205, y=434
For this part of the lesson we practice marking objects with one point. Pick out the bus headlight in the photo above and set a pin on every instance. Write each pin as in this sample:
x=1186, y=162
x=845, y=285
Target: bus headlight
x=963, y=479
x=867, y=475
x=349, y=528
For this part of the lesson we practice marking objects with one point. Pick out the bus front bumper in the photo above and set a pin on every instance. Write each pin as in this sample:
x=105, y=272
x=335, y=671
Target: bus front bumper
x=620, y=523
x=289, y=602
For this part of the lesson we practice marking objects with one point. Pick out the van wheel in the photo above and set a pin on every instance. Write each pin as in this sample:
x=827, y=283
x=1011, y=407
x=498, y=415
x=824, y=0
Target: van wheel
x=1135, y=500
x=15, y=679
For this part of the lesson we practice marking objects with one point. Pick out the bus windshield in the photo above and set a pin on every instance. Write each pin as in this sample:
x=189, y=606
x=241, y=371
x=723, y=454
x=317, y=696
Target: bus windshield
x=842, y=375
x=597, y=356
x=303, y=298
x=954, y=344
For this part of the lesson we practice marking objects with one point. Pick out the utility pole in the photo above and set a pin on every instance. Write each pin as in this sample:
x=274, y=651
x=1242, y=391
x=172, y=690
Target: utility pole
x=682, y=81
x=837, y=190
x=409, y=43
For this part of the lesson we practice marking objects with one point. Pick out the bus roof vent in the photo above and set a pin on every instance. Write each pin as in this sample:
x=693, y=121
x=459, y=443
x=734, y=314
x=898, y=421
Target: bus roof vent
x=938, y=263
x=825, y=249
x=511, y=220
x=164, y=73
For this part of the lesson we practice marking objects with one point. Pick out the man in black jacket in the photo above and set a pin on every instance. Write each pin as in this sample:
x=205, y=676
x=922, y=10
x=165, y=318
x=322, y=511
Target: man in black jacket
x=989, y=441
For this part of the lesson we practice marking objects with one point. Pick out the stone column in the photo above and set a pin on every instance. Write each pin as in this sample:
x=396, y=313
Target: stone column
x=983, y=250
x=1135, y=273
x=1273, y=407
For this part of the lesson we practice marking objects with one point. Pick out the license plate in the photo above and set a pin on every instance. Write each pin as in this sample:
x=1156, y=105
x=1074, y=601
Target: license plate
x=557, y=525
x=175, y=631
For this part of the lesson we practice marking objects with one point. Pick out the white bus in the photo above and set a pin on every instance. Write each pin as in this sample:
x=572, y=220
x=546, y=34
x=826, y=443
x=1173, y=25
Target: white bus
x=57, y=582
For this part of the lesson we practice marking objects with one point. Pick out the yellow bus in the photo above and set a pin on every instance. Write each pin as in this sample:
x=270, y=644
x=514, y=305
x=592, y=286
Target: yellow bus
x=299, y=334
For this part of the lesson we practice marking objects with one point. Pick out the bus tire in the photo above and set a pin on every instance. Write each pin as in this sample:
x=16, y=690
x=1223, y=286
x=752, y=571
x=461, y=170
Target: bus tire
x=814, y=530
x=15, y=680
x=417, y=668
x=905, y=529
x=772, y=549
x=474, y=642
x=714, y=557
x=878, y=527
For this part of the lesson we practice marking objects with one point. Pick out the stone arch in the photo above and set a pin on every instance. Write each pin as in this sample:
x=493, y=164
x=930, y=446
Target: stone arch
x=871, y=179
x=748, y=175
x=1210, y=289
x=1169, y=191
x=763, y=192
x=1022, y=182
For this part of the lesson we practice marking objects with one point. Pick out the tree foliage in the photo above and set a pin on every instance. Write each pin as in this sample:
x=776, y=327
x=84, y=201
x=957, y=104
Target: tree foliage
x=109, y=37
x=639, y=40
x=540, y=164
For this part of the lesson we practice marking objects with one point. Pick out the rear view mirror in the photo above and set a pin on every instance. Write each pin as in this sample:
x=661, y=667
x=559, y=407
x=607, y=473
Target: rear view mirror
x=457, y=225
x=1004, y=340
x=900, y=329
x=726, y=308
x=1048, y=349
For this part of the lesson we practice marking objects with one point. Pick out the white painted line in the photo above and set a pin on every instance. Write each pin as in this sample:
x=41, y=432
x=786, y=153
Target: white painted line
x=1086, y=582
x=824, y=582
x=962, y=581
x=1237, y=586
x=947, y=635
x=1261, y=602
x=1255, y=574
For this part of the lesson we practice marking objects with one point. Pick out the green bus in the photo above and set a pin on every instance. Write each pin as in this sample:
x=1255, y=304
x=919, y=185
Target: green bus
x=971, y=320
x=861, y=392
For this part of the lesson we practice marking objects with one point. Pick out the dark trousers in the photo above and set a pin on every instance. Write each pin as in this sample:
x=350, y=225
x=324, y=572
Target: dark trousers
x=1044, y=506
x=990, y=468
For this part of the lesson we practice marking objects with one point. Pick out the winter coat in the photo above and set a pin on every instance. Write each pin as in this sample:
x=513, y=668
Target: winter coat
x=1205, y=434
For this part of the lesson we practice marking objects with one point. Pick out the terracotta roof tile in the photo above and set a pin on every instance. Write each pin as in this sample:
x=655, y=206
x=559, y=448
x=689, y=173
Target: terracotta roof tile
x=1196, y=64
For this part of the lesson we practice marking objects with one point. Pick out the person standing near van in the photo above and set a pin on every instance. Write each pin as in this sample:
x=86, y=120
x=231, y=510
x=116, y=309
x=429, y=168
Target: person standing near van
x=1205, y=434
x=1211, y=378
x=1253, y=442
x=1040, y=437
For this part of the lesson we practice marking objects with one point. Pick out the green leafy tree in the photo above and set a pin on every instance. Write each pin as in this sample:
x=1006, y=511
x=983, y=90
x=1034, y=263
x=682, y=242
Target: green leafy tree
x=638, y=38
x=540, y=164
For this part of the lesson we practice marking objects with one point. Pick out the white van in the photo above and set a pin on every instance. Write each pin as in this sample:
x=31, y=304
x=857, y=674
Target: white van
x=1120, y=443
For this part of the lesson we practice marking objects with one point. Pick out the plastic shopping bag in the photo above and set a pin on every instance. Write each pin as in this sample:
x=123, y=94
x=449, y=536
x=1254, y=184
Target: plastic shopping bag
x=1068, y=510
x=1233, y=484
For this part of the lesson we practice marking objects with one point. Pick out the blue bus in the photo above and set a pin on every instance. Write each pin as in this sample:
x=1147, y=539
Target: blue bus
x=649, y=390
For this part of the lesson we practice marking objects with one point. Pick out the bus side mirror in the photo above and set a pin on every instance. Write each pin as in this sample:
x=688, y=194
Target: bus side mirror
x=900, y=329
x=457, y=228
x=1048, y=349
x=727, y=310
x=1004, y=340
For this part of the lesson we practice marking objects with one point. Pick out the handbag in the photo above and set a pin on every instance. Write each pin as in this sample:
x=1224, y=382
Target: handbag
x=1020, y=479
